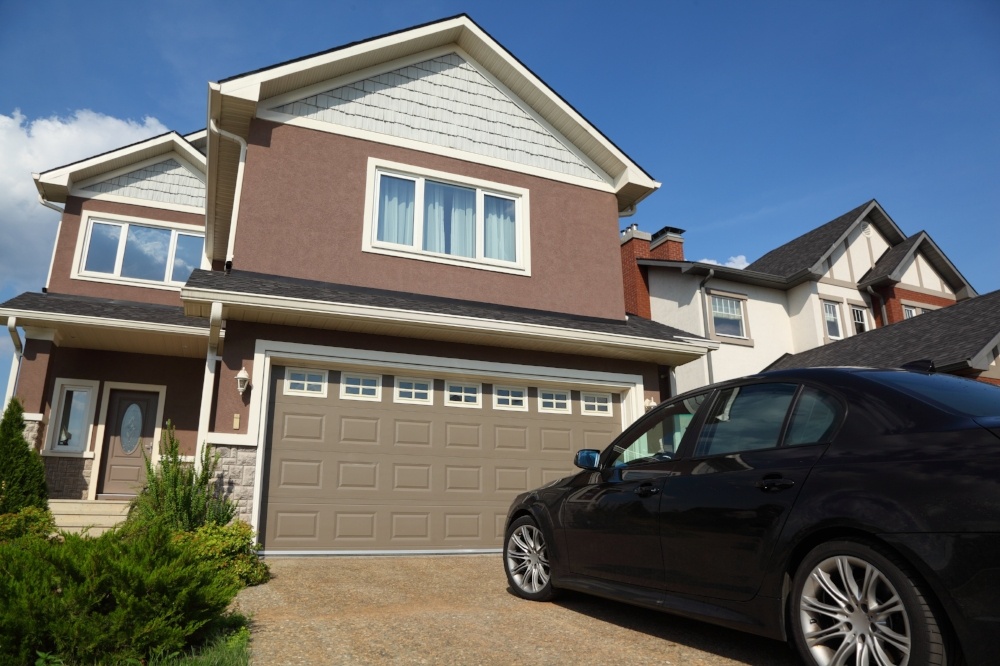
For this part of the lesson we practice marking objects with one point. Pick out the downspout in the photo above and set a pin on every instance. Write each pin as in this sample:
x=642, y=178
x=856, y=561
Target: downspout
x=15, y=364
x=52, y=260
x=704, y=307
x=211, y=360
x=239, y=188
x=885, y=318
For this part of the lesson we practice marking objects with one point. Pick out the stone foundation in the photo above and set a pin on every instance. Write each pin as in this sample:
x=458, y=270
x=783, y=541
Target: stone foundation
x=33, y=432
x=237, y=467
x=68, y=478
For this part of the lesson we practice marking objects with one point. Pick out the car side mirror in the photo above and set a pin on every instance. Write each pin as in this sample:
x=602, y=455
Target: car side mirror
x=588, y=459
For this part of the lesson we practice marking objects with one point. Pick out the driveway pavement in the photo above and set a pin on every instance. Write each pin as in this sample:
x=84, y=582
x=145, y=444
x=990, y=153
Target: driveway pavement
x=458, y=610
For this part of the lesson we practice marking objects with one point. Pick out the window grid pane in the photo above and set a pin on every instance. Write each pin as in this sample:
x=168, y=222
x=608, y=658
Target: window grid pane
x=506, y=397
x=727, y=315
x=356, y=385
x=556, y=401
x=146, y=252
x=417, y=391
x=102, y=250
x=596, y=404
x=860, y=320
x=832, y=315
x=464, y=394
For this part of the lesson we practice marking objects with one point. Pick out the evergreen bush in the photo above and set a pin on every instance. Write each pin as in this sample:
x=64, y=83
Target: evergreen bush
x=22, y=472
x=179, y=495
x=230, y=548
x=29, y=521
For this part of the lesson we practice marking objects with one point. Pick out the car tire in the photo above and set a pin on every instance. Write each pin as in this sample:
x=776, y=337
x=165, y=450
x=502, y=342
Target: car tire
x=526, y=560
x=851, y=600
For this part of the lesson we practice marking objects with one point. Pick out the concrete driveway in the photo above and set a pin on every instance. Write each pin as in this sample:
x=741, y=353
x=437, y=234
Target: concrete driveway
x=458, y=610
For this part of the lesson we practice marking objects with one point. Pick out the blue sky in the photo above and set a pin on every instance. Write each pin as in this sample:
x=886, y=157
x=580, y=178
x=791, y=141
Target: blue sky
x=762, y=119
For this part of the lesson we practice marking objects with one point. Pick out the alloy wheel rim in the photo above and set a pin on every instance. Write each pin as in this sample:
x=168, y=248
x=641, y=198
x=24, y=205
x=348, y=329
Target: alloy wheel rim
x=852, y=615
x=528, y=558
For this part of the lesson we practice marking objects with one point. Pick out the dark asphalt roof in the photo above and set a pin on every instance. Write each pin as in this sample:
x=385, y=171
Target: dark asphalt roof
x=891, y=260
x=803, y=252
x=948, y=336
x=245, y=282
x=104, y=308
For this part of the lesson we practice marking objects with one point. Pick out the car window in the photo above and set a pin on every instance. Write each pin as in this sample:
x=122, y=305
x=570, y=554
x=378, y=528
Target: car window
x=956, y=394
x=745, y=418
x=813, y=419
x=661, y=438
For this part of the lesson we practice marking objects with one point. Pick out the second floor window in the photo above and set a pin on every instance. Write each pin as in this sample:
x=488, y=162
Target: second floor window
x=831, y=315
x=860, y=318
x=146, y=253
x=727, y=316
x=909, y=312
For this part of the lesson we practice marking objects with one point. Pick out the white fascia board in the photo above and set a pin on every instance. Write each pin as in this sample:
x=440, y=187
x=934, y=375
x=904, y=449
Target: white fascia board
x=453, y=322
x=29, y=317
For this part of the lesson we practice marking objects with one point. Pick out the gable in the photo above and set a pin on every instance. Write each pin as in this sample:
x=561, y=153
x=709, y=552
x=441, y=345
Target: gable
x=448, y=102
x=166, y=182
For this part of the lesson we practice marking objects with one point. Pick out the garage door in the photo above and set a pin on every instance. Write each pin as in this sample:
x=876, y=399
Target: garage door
x=370, y=461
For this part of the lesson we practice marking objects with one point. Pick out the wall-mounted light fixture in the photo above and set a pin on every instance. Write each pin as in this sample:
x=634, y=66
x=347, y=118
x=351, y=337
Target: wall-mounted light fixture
x=242, y=380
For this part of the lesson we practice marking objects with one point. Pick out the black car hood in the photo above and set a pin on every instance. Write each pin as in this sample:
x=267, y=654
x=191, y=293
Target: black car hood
x=991, y=423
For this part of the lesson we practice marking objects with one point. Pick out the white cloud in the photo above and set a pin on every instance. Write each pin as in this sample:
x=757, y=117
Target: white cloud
x=739, y=261
x=27, y=229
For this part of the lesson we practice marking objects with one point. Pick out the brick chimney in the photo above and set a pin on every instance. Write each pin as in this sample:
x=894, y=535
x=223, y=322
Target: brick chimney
x=666, y=244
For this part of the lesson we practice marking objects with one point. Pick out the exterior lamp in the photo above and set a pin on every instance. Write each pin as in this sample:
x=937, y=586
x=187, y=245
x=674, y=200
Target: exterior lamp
x=242, y=380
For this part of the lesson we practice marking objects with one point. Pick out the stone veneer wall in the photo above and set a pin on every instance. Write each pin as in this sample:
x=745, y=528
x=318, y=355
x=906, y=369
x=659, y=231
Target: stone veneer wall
x=68, y=478
x=33, y=431
x=237, y=467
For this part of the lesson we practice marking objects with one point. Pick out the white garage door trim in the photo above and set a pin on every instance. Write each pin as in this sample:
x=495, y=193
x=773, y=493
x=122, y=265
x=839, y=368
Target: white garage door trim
x=270, y=352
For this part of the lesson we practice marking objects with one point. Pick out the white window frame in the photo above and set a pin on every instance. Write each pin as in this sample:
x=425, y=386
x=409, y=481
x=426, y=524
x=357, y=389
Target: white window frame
x=568, y=409
x=123, y=222
x=740, y=302
x=595, y=399
x=839, y=318
x=344, y=395
x=449, y=385
x=912, y=310
x=413, y=400
x=855, y=309
x=523, y=407
x=377, y=168
x=324, y=382
x=55, y=417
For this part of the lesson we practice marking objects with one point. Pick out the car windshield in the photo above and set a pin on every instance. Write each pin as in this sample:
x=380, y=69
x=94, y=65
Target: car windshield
x=955, y=394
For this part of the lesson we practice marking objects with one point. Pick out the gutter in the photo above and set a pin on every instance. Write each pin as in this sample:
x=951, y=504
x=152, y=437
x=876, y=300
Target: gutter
x=237, y=195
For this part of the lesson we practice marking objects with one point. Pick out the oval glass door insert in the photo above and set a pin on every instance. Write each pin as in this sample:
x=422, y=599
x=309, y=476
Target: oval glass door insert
x=131, y=428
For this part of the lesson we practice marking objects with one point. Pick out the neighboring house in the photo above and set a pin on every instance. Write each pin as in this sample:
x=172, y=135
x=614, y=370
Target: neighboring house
x=854, y=273
x=390, y=298
x=962, y=340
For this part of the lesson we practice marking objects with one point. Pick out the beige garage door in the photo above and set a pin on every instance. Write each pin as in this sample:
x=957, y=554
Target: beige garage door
x=370, y=461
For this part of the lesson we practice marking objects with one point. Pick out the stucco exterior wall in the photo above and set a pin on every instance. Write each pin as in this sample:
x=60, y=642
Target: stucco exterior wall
x=62, y=281
x=302, y=215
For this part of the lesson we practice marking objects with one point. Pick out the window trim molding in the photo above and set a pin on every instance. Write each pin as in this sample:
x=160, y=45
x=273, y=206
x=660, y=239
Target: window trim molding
x=363, y=375
x=743, y=299
x=510, y=408
x=285, y=390
x=412, y=401
x=86, y=222
x=555, y=410
x=520, y=196
x=836, y=303
x=55, y=414
x=593, y=394
x=853, y=305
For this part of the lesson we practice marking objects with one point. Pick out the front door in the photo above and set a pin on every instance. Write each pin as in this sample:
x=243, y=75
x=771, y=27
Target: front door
x=128, y=440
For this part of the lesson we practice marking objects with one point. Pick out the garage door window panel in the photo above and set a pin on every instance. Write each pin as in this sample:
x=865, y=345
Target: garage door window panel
x=745, y=418
x=355, y=386
x=414, y=391
x=463, y=395
x=513, y=398
x=302, y=381
x=554, y=402
x=595, y=404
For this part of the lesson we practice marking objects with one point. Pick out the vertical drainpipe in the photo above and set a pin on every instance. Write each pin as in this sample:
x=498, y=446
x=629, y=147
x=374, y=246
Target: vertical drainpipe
x=704, y=306
x=15, y=363
x=885, y=318
x=237, y=195
x=52, y=261
x=211, y=360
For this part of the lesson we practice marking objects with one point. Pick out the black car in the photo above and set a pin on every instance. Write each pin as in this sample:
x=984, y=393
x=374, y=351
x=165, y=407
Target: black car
x=854, y=512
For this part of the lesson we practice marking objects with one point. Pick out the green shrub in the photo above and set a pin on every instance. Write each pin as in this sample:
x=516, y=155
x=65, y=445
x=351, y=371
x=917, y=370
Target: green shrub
x=30, y=521
x=178, y=494
x=230, y=548
x=114, y=598
x=22, y=472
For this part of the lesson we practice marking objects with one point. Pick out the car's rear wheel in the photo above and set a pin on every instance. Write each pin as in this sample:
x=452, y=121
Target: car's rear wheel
x=853, y=605
x=526, y=560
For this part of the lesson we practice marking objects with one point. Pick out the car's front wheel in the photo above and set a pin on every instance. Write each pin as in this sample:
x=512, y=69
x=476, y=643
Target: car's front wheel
x=526, y=560
x=853, y=605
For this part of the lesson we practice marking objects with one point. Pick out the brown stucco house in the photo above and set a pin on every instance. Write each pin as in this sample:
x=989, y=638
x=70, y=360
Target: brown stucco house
x=384, y=285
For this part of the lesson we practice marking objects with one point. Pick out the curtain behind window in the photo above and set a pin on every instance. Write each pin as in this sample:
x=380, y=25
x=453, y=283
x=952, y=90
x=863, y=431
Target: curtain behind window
x=449, y=219
x=500, y=229
x=395, y=210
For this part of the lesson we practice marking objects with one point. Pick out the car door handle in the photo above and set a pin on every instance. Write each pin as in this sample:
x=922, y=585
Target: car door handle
x=771, y=484
x=646, y=490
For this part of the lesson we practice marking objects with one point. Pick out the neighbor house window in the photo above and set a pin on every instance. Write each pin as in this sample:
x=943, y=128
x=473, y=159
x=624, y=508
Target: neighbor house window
x=831, y=316
x=448, y=218
x=300, y=381
x=553, y=401
x=355, y=386
x=860, y=317
x=727, y=316
x=595, y=403
x=414, y=390
x=510, y=397
x=909, y=312
x=141, y=252
x=72, y=416
x=463, y=395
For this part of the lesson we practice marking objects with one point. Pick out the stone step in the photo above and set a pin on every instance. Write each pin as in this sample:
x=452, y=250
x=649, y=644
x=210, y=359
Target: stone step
x=94, y=517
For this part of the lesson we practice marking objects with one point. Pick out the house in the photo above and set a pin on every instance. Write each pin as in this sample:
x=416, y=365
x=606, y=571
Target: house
x=850, y=275
x=383, y=286
x=962, y=340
